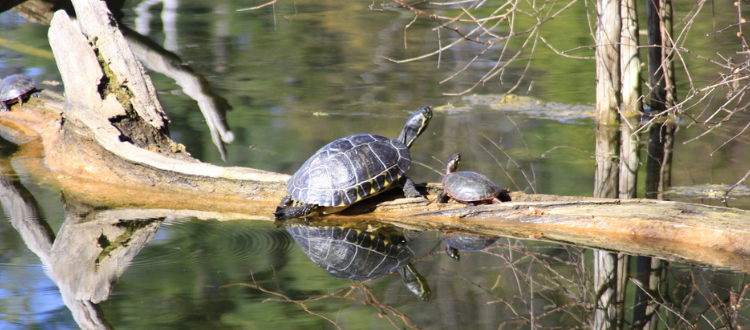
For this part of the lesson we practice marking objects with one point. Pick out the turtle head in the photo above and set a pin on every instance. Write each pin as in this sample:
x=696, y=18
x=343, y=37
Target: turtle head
x=452, y=164
x=415, y=282
x=452, y=252
x=415, y=125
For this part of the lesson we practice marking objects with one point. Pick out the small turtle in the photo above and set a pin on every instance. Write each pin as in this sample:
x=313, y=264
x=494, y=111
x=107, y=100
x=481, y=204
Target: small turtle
x=351, y=169
x=455, y=241
x=469, y=187
x=348, y=252
x=15, y=88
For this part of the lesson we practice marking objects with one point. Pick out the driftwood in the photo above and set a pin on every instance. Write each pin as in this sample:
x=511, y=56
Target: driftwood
x=108, y=145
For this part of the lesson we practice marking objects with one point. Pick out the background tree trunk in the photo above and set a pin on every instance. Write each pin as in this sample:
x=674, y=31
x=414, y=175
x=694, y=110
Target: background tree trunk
x=662, y=97
x=606, y=313
x=632, y=106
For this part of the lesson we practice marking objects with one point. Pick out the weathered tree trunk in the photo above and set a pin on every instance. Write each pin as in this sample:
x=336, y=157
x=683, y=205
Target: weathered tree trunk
x=607, y=117
x=607, y=98
x=632, y=107
x=662, y=96
x=631, y=113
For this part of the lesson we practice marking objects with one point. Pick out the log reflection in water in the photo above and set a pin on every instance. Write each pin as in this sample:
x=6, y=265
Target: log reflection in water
x=85, y=258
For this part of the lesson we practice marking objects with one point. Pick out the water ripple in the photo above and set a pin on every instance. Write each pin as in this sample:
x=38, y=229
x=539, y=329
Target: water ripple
x=217, y=242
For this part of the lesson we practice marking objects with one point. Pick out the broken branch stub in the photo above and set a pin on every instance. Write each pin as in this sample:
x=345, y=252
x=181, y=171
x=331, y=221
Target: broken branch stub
x=123, y=70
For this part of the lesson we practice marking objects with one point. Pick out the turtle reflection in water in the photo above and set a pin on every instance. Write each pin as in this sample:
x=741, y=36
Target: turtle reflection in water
x=348, y=252
x=455, y=241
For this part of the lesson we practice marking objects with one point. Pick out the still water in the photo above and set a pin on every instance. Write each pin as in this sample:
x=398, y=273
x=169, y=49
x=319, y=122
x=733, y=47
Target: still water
x=288, y=79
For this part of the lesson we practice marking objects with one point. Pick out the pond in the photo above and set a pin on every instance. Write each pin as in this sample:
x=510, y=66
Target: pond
x=277, y=83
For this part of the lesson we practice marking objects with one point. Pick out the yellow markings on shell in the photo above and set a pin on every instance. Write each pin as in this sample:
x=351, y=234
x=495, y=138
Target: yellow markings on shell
x=357, y=191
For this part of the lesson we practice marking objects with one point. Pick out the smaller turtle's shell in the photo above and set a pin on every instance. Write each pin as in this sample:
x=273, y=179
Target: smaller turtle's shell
x=350, y=253
x=16, y=86
x=470, y=187
x=468, y=241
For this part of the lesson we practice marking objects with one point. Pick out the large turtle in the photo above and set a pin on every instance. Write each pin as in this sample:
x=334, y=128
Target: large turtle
x=15, y=88
x=349, y=252
x=351, y=169
x=469, y=187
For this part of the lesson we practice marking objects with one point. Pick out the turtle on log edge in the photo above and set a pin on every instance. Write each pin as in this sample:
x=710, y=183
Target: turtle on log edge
x=351, y=169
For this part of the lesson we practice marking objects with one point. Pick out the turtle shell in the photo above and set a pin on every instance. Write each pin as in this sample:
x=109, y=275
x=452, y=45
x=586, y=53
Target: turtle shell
x=470, y=187
x=350, y=253
x=15, y=86
x=350, y=169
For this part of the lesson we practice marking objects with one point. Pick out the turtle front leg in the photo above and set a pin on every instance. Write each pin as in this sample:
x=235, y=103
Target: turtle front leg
x=4, y=106
x=415, y=282
x=442, y=197
x=410, y=190
x=286, y=201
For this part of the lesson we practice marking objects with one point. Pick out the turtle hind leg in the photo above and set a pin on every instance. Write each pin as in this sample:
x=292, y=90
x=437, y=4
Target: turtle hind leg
x=290, y=212
x=502, y=197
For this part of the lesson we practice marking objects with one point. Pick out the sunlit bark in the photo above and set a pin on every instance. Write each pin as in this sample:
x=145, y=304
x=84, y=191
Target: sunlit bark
x=632, y=107
x=607, y=99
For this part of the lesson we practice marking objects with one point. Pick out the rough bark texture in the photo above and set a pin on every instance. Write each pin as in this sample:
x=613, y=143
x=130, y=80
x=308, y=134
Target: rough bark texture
x=126, y=75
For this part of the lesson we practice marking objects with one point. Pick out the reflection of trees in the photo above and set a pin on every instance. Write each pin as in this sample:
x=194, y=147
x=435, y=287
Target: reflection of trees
x=519, y=285
x=349, y=294
x=165, y=61
x=194, y=85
